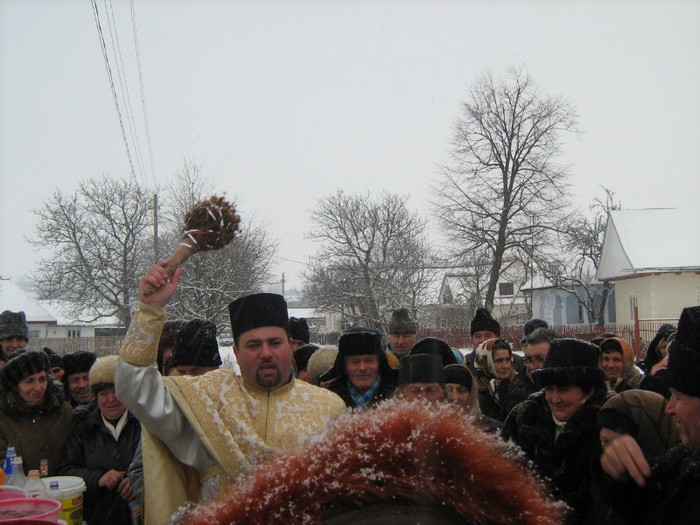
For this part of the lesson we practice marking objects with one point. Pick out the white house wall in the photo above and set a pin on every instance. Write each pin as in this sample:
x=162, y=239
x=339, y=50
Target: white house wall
x=659, y=296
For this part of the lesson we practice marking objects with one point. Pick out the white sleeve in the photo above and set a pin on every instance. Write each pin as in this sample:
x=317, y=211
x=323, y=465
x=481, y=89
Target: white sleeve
x=141, y=389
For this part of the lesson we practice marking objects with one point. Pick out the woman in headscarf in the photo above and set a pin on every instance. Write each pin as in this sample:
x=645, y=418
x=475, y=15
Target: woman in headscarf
x=34, y=417
x=463, y=392
x=557, y=426
x=495, y=377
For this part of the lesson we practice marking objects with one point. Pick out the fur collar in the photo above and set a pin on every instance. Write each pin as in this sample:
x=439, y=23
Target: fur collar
x=400, y=450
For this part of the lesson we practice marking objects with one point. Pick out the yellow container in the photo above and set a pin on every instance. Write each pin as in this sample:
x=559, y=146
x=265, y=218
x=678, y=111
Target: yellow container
x=70, y=493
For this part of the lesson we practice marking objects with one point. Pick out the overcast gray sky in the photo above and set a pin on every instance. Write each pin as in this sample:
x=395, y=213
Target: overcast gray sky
x=285, y=102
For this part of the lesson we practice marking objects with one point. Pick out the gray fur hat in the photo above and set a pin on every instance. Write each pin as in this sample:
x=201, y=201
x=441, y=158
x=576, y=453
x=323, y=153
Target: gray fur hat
x=13, y=324
x=402, y=323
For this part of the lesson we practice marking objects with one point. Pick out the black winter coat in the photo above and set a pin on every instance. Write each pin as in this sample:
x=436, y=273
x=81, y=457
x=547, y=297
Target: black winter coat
x=567, y=461
x=89, y=452
x=671, y=496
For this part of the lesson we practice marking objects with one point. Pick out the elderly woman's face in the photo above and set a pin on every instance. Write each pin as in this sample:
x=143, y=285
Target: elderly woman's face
x=32, y=388
x=564, y=401
x=502, y=362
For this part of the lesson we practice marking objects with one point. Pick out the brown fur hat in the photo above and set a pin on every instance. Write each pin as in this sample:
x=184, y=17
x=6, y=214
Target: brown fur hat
x=23, y=363
x=402, y=452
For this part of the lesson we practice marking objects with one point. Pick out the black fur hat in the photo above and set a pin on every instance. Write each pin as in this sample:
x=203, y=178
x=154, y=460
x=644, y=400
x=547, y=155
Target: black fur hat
x=299, y=329
x=358, y=341
x=684, y=354
x=196, y=344
x=303, y=354
x=435, y=346
x=484, y=322
x=23, y=363
x=532, y=325
x=258, y=310
x=54, y=359
x=570, y=362
x=402, y=323
x=421, y=368
x=78, y=362
x=13, y=324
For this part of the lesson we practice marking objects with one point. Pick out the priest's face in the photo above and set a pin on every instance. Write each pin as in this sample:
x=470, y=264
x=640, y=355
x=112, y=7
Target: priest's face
x=264, y=356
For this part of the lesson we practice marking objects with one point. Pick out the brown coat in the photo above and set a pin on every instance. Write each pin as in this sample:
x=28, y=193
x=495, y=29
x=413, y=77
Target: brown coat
x=37, y=432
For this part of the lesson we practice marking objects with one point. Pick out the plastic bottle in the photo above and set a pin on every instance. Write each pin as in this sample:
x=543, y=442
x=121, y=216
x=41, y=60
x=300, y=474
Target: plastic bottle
x=17, y=477
x=9, y=456
x=34, y=487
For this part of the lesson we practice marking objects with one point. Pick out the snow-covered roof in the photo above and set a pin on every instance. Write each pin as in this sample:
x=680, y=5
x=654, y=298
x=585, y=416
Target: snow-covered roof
x=650, y=240
x=15, y=299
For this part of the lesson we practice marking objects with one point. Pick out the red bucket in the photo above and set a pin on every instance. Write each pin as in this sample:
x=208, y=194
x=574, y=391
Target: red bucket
x=28, y=509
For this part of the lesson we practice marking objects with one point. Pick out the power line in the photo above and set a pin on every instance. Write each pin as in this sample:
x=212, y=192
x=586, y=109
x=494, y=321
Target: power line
x=111, y=84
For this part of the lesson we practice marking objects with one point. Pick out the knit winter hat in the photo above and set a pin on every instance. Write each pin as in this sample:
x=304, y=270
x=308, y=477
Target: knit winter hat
x=484, y=322
x=570, y=362
x=258, y=310
x=421, y=368
x=357, y=341
x=402, y=323
x=458, y=375
x=54, y=359
x=684, y=354
x=13, y=324
x=196, y=345
x=435, y=346
x=532, y=325
x=299, y=329
x=21, y=364
x=78, y=362
x=103, y=371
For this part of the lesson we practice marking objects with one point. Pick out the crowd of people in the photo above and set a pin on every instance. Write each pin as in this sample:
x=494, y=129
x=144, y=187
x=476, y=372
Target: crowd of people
x=380, y=428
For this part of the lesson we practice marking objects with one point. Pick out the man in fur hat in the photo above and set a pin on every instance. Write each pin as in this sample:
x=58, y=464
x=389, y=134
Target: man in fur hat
x=205, y=430
x=76, y=367
x=299, y=332
x=402, y=331
x=670, y=492
x=100, y=449
x=195, y=349
x=361, y=375
x=482, y=328
x=14, y=333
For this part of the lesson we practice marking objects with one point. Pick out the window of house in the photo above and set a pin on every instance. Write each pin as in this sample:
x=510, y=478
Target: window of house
x=580, y=313
x=34, y=334
x=505, y=289
x=633, y=305
x=73, y=333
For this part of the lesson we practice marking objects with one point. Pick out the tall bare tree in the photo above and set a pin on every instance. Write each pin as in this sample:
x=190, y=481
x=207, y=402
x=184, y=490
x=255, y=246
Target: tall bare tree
x=502, y=189
x=373, y=257
x=213, y=279
x=573, y=265
x=96, y=238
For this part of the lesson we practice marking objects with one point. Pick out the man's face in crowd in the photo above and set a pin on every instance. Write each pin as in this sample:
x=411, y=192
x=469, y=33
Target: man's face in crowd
x=297, y=343
x=481, y=336
x=613, y=365
x=400, y=344
x=432, y=392
x=362, y=371
x=109, y=405
x=687, y=411
x=264, y=356
x=534, y=356
x=79, y=388
x=10, y=344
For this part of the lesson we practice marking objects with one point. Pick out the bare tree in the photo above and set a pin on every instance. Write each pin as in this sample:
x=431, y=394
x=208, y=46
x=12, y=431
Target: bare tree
x=502, y=188
x=96, y=237
x=573, y=265
x=213, y=279
x=374, y=256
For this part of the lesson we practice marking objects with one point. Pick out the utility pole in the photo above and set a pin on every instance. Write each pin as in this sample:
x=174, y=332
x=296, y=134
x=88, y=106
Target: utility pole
x=282, y=285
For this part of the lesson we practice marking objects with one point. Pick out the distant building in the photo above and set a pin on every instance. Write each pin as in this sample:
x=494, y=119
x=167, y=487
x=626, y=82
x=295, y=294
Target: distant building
x=653, y=256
